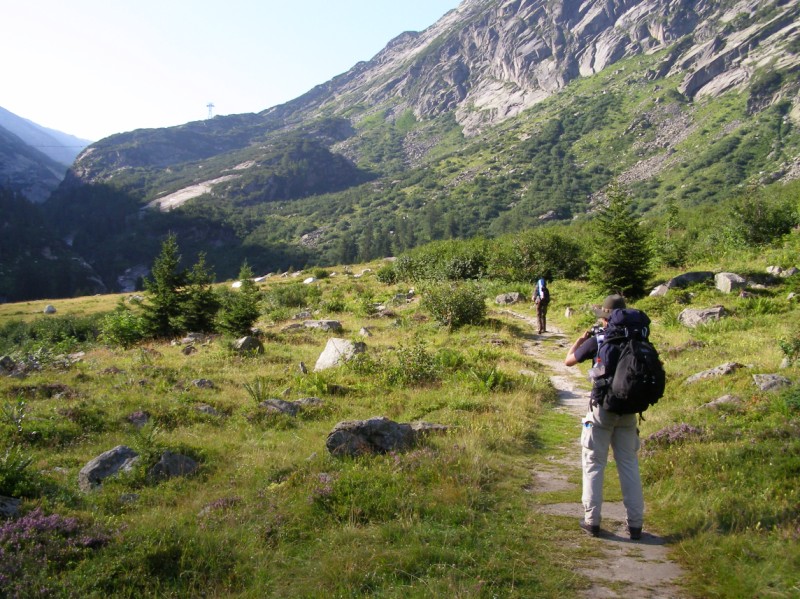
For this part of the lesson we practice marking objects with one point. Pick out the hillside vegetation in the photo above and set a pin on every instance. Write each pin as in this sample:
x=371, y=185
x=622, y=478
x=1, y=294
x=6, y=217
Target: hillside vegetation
x=270, y=512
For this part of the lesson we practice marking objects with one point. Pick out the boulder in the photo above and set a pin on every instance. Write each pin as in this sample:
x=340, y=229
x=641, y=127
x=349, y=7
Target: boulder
x=109, y=463
x=771, y=382
x=6, y=365
x=725, y=400
x=376, y=435
x=727, y=282
x=505, y=299
x=171, y=465
x=9, y=507
x=659, y=291
x=338, y=351
x=721, y=370
x=790, y=272
x=248, y=344
x=689, y=278
x=693, y=317
x=309, y=280
x=49, y=309
x=324, y=325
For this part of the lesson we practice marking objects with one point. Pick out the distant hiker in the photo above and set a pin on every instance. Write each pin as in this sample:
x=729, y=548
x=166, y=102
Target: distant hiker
x=541, y=297
x=606, y=423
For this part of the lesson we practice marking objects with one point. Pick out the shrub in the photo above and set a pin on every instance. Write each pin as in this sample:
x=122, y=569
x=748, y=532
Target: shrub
x=451, y=260
x=15, y=479
x=240, y=309
x=122, y=327
x=536, y=253
x=387, y=274
x=453, y=304
x=293, y=295
x=415, y=365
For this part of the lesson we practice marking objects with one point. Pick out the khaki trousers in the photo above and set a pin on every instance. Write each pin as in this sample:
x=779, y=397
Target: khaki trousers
x=602, y=429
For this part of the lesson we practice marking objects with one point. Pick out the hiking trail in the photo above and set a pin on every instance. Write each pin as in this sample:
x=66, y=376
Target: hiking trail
x=626, y=568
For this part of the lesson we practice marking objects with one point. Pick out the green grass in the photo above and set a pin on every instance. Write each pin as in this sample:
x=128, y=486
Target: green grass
x=271, y=513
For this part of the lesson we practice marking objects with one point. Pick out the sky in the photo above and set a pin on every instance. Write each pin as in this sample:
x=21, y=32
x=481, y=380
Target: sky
x=92, y=68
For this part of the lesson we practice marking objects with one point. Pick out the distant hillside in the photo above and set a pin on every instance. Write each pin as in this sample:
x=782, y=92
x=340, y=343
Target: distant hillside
x=34, y=160
x=61, y=147
x=502, y=115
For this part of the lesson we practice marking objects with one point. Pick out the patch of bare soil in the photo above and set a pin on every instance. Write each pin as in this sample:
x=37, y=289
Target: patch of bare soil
x=626, y=568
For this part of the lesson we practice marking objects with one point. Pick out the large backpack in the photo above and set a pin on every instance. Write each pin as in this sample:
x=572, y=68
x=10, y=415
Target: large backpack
x=542, y=293
x=634, y=377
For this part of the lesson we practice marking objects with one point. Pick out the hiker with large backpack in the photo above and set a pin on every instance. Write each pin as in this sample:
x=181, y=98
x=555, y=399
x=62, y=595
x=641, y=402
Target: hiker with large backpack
x=627, y=377
x=541, y=297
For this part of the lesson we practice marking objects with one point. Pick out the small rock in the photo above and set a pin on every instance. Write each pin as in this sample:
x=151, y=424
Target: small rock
x=771, y=382
x=338, y=351
x=692, y=318
x=506, y=299
x=49, y=309
x=365, y=332
x=280, y=406
x=725, y=400
x=569, y=312
x=189, y=350
x=203, y=384
x=206, y=409
x=324, y=325
x=659, y=291
x=9, y=507
x=139, y=418
x=109, y=463
x=727, y=282
x=790, y=272
x=303, y=368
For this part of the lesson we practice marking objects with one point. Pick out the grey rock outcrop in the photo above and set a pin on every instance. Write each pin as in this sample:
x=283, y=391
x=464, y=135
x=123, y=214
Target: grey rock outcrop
x=9, y=507
x=376, y=435
x=725, y=400
x=109, y=463
x=689, y=278
x=693, y=317
x=506, y=299
x=249, y=344
x=721, y=370
x=290, y=408
x=171, y=465
x=728, y=282
x=771, y=382
x=338, y=351
x=324, y=325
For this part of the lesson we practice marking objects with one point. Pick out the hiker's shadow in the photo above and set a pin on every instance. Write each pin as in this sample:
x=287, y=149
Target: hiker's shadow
x=647, y=539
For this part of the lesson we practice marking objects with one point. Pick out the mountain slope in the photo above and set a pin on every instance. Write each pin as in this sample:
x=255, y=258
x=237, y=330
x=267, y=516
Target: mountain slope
x=504, y=114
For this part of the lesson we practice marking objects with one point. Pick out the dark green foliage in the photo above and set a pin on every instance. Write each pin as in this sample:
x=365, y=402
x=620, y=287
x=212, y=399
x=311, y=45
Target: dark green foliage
x=620, y=262
x=200, y=302
x=53, y=333
x=758, y=220
x=387, y=274
x=536, y=253
x=451, y=260
x=165, y=294
x=454, y=304
x=240, y=308
x=123, y=326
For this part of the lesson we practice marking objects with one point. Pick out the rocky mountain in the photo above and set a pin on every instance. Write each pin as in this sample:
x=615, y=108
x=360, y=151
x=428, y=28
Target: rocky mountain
x=503, y=114
x=34, y=159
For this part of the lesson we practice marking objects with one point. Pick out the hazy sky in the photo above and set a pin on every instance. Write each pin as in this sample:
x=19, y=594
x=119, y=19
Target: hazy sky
x=92, y=68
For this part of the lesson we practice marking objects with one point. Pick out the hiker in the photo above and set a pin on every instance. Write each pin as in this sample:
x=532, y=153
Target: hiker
x=602, y=428
x=541, y=297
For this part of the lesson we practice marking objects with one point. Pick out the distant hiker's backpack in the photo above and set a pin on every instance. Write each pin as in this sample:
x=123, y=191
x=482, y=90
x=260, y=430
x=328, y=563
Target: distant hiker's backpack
x=634, y=376
x=542, y=293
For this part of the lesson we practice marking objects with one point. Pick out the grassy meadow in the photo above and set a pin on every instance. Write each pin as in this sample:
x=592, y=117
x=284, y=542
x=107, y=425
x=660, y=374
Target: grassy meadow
x=271, y=513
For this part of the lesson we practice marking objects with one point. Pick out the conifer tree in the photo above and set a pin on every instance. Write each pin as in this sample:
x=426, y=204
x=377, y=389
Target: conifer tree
x=240, y=309
x=620, y=262
x=200, y=302
x=164, y=292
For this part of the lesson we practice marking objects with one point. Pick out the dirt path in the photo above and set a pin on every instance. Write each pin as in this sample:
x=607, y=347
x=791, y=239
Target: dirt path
x=626, y=568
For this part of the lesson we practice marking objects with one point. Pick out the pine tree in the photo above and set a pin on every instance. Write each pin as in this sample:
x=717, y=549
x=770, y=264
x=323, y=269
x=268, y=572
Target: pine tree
x=164, y=292
x=201, y=304
x=620, y=262
x=240, y=309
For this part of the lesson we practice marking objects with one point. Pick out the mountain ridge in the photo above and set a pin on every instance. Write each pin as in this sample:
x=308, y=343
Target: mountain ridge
x=503, y=114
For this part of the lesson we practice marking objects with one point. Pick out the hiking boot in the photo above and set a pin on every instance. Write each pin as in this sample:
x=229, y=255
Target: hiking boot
x=591, y=529
x=636, y=533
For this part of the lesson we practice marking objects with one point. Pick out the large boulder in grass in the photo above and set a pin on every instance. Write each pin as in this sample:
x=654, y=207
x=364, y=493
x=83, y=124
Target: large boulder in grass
x=721, y=370
x=689, y=278
x=337, y=351
x=109, y=463
x=376, y=435
x=728, y=282
x=506, y=299
x=249, y=344
x=9, y=507
x=771, y=382
x=324, y=325
x=692, y=318
x=171, y=465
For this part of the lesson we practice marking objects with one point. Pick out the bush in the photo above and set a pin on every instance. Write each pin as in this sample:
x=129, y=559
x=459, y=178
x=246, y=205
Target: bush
x=536, y=253
x=240, y=309
x=292, y=295
x=453, y=304
x=452, y=260
x=387, y=274
x=122, y=327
